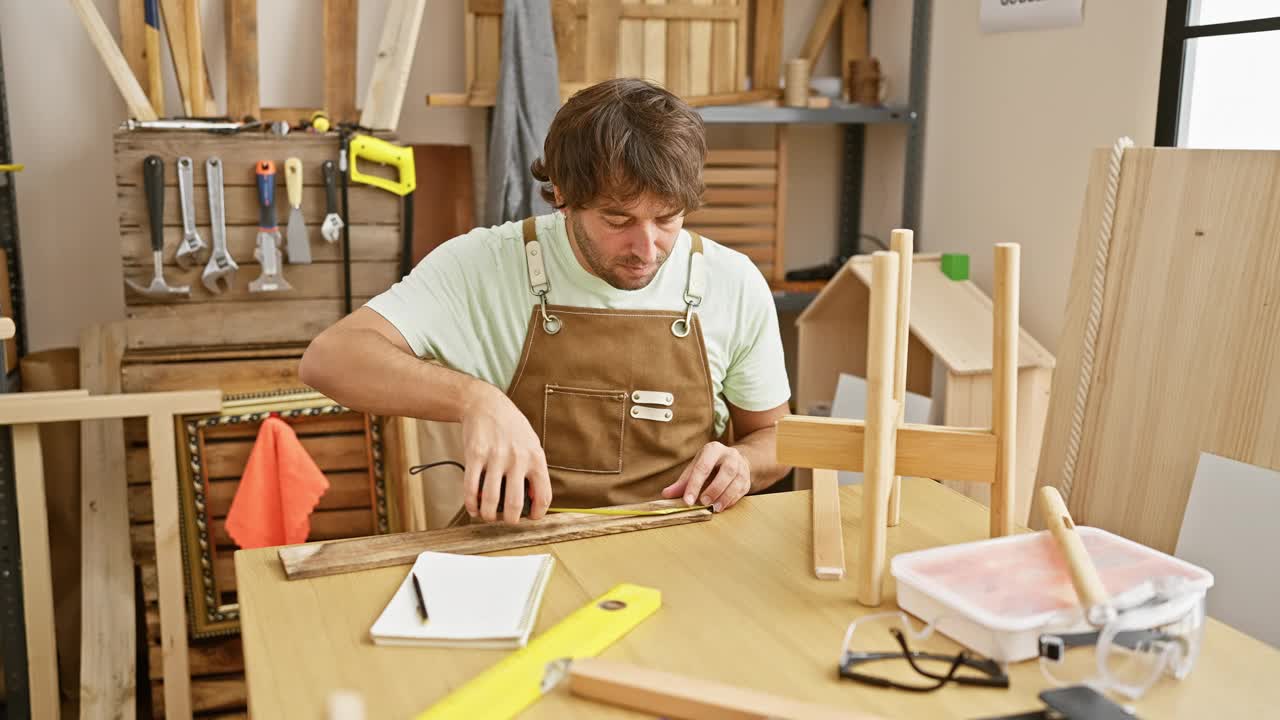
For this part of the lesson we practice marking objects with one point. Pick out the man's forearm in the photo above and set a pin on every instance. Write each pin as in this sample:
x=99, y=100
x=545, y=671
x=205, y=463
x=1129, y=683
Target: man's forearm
x=760, y=448
x=364, y=371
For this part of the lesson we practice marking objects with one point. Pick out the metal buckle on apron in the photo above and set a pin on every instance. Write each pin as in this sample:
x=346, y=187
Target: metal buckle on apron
x=550, y=323
x=680, y=328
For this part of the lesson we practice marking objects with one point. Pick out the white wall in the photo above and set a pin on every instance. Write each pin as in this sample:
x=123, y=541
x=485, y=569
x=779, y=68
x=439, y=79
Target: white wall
x=1011, y=120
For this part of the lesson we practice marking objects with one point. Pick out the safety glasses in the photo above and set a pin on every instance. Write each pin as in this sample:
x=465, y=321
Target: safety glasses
x=877, y=651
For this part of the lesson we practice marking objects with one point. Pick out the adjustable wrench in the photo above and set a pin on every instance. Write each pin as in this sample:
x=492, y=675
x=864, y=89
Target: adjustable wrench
x=192, y=246
x=220, y=266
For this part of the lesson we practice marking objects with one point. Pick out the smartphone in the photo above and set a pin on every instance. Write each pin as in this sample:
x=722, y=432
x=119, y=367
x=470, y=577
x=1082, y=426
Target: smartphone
x=1081, y=702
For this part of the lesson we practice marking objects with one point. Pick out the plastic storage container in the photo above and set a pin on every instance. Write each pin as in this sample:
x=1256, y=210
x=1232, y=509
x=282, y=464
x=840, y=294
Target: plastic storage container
x=998, y=595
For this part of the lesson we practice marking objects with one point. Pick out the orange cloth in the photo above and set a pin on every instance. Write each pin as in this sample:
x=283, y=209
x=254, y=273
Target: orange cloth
x=280, y=487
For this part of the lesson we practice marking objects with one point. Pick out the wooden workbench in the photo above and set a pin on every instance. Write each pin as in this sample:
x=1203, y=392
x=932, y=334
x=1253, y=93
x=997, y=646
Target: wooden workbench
x=740, y=605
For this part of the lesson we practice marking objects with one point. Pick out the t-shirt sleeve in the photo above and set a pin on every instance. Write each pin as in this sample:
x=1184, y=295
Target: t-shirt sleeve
x=429, y=305
x=756, y=379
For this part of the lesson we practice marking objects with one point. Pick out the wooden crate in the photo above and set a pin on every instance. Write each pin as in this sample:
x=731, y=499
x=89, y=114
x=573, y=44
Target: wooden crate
x=695, y=48
x=236, y=316
x=336, y=442
x=745, y=204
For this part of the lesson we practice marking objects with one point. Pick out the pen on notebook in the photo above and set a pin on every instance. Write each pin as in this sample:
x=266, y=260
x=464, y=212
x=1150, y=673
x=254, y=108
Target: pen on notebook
x=417, y=591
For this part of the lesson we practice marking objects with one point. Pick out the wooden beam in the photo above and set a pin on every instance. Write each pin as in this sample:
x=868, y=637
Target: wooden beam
x=828, y=536
x=175, y=28
x=133, y=39
x=733, y=98
x=881, y=428
x=941, y=453
x=340, y=33
x=200, y=107
x=37, y=571
x=242, y=59
x=392, y=63
x=766, y=59
x=903, y=243
x=343, y=556
x=169, y=571
x=117, y=67
x=155, y=81
x=40, y=407
x=107, y=647
x=1004, y=387
x=820, y=30
x=664, y=694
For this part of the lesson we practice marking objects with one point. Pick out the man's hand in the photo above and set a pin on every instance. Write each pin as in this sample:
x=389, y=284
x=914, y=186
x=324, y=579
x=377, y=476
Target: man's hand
x=723, y=470
x=499, y=442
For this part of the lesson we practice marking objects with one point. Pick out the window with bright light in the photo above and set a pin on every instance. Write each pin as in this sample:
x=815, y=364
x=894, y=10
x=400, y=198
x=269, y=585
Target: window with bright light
x=1218, y=84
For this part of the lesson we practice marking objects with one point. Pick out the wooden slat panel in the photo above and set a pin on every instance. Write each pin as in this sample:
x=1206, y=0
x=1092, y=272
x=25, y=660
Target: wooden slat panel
x=678, y=57
x=331, y=452
x=741, y=80
x=732, y=216
x=570, y=45
x=739, y=196
x=369, y=206
x=724, y=52
x=238, y=157
x=207, y=694
x=655, y=47
x=347, y=491
x=368, y=243
x=229, y=376
x=730, y=235
x=242, y=58
x=310, y=282
x=340, y=33
x=325, y=525
x=766, y=67
x=742, y=157
x=631, y=46
x=282, y=321
x=175, y=29
x=700, y=54
x=212, y=656
x=780, y=209
x=740, y=176
x=603, y=21
x=315, y=560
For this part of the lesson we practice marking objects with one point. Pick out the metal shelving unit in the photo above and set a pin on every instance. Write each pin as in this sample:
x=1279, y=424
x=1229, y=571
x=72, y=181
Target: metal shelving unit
x=855, y=119
x=13, y=635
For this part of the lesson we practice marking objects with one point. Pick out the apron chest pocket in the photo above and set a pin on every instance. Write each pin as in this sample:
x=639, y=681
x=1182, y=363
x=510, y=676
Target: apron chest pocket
x=582, y=429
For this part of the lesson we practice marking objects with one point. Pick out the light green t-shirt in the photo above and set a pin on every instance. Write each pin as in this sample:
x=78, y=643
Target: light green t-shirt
x=467, y=305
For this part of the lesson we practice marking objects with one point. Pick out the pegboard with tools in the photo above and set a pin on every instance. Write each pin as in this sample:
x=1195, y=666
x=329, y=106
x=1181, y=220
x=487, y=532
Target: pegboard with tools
x=279, y=292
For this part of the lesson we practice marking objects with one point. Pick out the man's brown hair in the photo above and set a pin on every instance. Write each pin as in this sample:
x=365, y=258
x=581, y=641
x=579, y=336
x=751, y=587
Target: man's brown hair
x=621, y=139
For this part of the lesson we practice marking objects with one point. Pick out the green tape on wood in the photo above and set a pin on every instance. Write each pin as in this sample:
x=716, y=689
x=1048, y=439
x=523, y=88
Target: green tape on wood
x=955, y=266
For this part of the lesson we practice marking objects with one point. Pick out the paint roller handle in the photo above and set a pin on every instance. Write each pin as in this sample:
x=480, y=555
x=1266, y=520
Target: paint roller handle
x=153, y=181
x=1084, y=575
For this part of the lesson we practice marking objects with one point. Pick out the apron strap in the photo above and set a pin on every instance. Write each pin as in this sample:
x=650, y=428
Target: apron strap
x=539, y=283
x=694, y=287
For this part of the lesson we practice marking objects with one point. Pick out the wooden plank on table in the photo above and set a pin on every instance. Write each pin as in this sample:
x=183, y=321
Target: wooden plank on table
x=655, y=47
x=369, y=243
x=340, y=32
x=37, y=571
x=390, y=76
x=766, y=58
x=603, y=27
x=369, y=206
x=724, y=53
x=212, y=656
x=117, y=67
x=242, y=59
x=249, y=322
x=228, y=376
x=174, y=14
x=107, y=626
x=828, y=534
x=341, y=556
x=316, y=281
x=672, y=695
x=169, y=568
x=570, y=46
x=820, y=30
x=700, y=54
x=923, y=451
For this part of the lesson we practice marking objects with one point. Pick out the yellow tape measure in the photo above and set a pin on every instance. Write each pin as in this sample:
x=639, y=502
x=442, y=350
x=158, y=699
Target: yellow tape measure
x=515, y=682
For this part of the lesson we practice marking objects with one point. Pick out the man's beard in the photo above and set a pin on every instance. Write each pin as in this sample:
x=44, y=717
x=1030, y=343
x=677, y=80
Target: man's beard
x=609, y=270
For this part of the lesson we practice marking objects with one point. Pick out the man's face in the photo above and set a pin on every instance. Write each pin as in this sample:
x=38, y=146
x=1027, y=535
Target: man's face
x=624, y=244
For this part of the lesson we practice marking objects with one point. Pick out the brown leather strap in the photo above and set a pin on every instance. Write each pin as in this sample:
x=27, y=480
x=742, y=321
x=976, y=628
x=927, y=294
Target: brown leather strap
x=529, y=228
x=695, y=242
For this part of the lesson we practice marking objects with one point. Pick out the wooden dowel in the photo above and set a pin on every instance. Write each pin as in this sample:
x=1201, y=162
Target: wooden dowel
x=828, y=536
x=1084, y=574
x=881, y=426
x=902, y=242
x=1004, y=387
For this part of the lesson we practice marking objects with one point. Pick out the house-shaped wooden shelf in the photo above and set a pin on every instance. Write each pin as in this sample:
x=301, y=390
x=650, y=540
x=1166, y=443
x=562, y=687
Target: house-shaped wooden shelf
x=950, y=345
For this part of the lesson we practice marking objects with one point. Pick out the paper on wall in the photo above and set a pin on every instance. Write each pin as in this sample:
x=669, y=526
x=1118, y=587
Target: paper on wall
x=851, y=404
x=1007, y=15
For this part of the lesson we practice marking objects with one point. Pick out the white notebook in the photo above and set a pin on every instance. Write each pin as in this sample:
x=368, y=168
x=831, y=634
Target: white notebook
x=472, y=601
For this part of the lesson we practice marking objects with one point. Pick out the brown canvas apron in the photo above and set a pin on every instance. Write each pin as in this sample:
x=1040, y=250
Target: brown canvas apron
x=621, y=399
